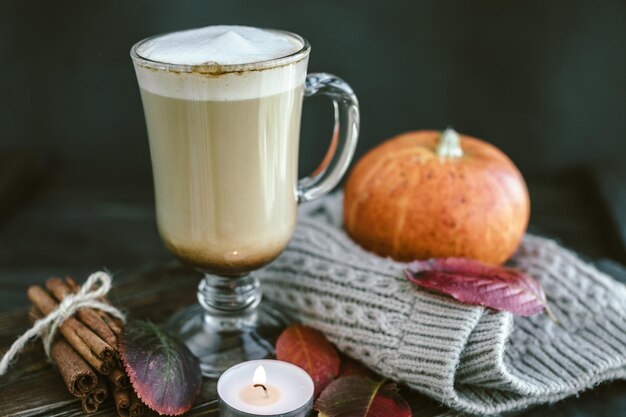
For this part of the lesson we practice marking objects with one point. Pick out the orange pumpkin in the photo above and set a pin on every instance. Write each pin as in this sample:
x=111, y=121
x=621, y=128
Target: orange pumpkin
x=429, y=194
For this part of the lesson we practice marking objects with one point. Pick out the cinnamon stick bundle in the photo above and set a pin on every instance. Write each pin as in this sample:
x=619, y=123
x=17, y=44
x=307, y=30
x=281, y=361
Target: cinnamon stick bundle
x=90, y=339
x=78, y=376
x=89, y=345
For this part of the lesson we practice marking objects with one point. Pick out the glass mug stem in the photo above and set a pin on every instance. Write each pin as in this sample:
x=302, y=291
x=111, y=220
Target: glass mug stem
x=227, y=296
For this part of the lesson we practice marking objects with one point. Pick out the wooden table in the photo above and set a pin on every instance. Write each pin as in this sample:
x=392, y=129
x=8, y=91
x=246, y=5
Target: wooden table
x=70, y=228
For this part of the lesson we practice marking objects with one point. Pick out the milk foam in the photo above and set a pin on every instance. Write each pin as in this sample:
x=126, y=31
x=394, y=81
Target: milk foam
x=223, y=45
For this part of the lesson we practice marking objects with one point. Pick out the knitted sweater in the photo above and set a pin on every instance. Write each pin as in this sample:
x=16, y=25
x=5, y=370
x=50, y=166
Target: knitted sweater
x=472, y=359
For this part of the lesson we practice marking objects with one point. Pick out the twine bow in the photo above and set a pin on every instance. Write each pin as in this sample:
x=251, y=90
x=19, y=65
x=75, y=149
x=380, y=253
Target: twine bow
x=87, y=297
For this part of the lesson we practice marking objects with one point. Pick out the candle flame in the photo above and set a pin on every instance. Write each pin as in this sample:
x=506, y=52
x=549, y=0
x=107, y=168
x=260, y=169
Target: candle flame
x=259, y=376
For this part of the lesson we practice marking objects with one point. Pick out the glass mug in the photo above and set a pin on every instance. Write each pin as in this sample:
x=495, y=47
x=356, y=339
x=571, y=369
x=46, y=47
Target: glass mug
x=224, y=148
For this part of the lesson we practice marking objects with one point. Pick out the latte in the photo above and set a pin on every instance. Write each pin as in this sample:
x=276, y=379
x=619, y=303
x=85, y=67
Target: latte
x=224, y=145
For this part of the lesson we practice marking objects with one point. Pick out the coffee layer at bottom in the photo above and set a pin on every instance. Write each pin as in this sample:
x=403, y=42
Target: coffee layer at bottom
x=225, y=264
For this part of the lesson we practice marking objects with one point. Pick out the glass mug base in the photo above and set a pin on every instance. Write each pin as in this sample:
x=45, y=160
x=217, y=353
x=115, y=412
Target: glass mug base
x=221, y=339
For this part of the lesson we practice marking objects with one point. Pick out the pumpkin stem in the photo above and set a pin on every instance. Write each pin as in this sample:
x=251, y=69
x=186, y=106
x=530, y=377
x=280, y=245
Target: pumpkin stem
x=449, y=144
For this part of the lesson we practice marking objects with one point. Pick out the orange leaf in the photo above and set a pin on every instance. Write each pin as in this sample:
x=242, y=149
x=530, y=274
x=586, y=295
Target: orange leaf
x=309, y=349
x=350, y=367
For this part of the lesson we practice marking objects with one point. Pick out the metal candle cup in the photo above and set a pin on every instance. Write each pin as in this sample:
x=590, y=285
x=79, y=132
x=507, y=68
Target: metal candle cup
x=265, y=388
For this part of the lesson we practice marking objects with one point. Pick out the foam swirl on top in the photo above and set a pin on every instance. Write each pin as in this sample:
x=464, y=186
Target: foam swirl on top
x=222, y=45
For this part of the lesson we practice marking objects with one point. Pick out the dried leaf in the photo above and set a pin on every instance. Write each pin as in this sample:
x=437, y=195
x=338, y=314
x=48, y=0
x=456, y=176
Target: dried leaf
x=473, y=282
x=350, y=367
x=357, y=396
x=309, y=349
x=162, y=370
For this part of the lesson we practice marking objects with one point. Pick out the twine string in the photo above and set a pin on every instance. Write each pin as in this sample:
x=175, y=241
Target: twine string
x=97, y=286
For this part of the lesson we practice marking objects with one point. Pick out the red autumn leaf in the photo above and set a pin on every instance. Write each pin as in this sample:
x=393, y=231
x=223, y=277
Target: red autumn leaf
x=309, y=349
x=350, y=367
x=473, y=282
x=357, y=396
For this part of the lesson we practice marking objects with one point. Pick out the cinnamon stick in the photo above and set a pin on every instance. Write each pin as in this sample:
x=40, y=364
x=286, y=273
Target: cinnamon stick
x=119, y=379
x=89, y=317
x=91, y=402
x=100, y=393
x=127, y=403
x=114, y=323
x=137, y=408
x=89, y=405
x=79, y=377
x=89, y=345
x=122, y=402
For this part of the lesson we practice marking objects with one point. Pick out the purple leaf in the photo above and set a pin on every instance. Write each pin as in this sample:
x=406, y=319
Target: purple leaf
x=473, y=282
x=162, y=370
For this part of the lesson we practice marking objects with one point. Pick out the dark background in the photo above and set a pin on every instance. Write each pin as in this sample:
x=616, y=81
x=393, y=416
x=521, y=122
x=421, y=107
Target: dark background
x=543, y=80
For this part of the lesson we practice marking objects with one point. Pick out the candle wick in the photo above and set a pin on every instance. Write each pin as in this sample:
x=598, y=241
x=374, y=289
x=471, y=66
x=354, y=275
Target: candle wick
x=264, y=389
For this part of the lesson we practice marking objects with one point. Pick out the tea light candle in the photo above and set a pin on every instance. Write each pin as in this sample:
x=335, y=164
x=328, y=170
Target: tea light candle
x=265, y=388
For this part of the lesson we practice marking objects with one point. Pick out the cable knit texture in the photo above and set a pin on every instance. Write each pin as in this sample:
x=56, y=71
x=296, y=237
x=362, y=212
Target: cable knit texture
x=472, y=359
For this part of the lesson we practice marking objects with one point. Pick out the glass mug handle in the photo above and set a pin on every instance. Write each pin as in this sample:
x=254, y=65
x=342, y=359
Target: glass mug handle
x=344, y=139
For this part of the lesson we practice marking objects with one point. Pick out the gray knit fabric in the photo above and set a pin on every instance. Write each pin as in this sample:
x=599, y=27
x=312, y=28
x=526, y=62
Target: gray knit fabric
x=470, y=358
